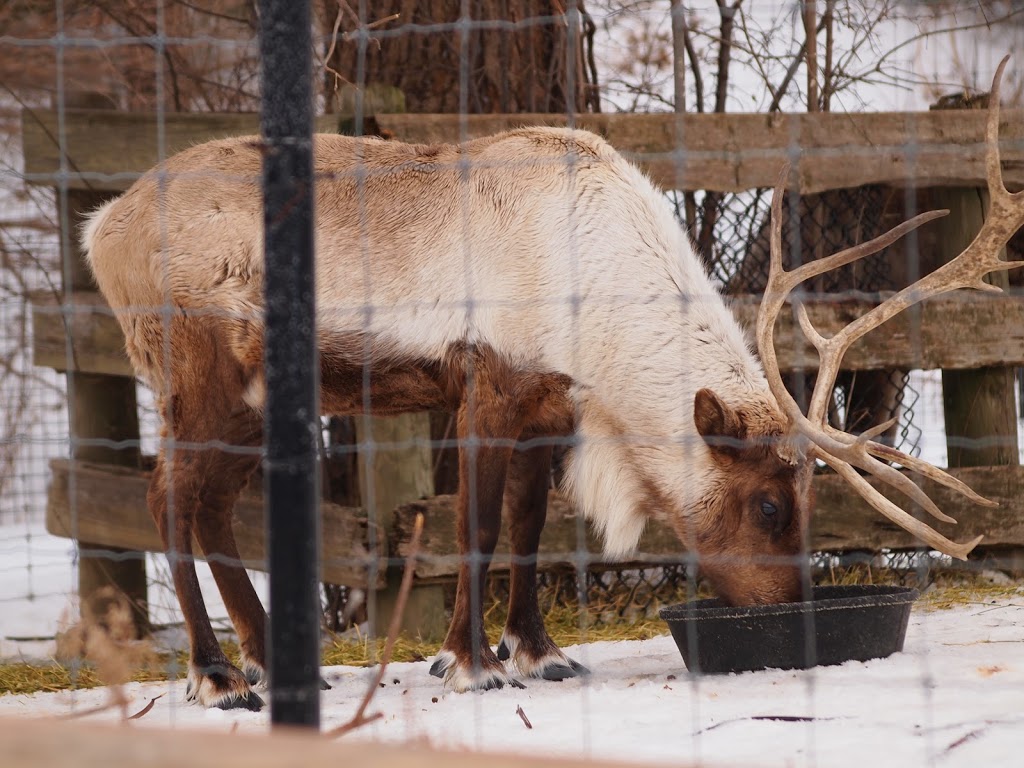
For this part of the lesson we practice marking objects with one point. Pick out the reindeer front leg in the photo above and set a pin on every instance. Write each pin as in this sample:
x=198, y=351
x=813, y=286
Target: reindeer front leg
x=487, y=425
x=525, y=640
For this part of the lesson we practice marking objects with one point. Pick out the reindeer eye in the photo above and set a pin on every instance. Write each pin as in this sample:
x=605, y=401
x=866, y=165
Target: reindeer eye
x=768, y=509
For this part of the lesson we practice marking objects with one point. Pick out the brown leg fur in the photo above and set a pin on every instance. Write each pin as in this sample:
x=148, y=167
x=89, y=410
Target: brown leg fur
x=525, y=640
x=192, y=491
x=466, y=661
x=497, y=405
x=213, y=531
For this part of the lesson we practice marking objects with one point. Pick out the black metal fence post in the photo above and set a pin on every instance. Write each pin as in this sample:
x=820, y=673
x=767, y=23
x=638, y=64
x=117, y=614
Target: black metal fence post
x=292, y=409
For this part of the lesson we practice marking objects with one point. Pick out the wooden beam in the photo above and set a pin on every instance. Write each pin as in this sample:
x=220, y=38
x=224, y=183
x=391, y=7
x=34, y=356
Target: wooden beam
x=108, y=151
x=722, y=152
x=961, y=329
x=50, y=742
x=842, y=521
x=110, y=507
x=100, y=408
x=957, y=331
x=107, y=504
x=77, y=332
x=978, y=404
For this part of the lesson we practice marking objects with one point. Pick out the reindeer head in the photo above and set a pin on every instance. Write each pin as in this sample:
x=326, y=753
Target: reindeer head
x=750, y=532
x=750, y=528
x=762, y=475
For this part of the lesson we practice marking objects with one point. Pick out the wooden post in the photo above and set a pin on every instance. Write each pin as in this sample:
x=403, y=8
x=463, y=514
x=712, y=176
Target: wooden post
x=979, y=408
x=391, y=476
x=100, y=407
x=402, y=471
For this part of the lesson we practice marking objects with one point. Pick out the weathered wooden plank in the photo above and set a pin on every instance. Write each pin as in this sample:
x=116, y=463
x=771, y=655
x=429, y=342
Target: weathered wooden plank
x=108, y=150
x=842, y=521
x=735, y=152
x=568, y=540
x=110, y=507
x=107, y=504
x=959, y=330
x=956, y=331
x=58, y=742
x=724, y=152
x=388, y=478
x=104, y=407
x=77, y=332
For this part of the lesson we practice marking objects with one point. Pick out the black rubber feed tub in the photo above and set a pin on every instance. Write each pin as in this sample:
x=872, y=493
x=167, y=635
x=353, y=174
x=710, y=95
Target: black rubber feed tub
x=840, y=624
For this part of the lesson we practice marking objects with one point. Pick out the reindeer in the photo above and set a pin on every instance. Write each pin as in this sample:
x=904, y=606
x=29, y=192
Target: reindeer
x=536, y=285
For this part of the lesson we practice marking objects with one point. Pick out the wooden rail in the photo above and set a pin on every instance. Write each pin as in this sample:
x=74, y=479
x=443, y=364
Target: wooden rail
x=841, y=521
x=53, y=742
x=109, y=505
x=957, y=331
x=106, y=503
x=722, y=152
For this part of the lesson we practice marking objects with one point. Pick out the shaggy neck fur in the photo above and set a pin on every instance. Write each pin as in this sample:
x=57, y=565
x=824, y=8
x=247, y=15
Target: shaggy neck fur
x=639, y=454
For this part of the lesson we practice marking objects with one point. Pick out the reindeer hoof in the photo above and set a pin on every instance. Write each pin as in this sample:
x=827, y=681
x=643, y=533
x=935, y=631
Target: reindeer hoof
x=504, y=654
x=440, y=666
x=549, y=664
x=254, y=673
x=221, y=686
x=559, y=671
x=250, y=701
x=462, y=678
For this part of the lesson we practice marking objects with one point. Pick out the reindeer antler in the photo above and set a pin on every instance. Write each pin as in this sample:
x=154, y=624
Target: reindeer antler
x=843, y=451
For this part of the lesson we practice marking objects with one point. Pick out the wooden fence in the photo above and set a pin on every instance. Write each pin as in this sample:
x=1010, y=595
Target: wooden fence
x=50, y=742
x=104, y=152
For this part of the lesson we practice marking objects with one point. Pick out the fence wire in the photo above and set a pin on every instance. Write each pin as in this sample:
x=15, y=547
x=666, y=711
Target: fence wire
x=471, y=58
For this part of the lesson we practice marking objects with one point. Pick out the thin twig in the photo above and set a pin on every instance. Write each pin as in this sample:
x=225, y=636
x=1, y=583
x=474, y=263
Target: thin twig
x=330, y=52
x=338, y=77
x=798, y=59
x=524, y=718
x=359, y=718
x=116, y=700
x=769, y=718
x=145, y=710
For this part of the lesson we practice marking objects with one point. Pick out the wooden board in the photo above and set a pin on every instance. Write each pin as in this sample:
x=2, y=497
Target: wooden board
x=108, y=150
x=77, y=332
x=957, y=331
x=107, y=504
x=735, y=152
x=110, y=507
x=53, y=742
x=725, y=152
x=842, y=521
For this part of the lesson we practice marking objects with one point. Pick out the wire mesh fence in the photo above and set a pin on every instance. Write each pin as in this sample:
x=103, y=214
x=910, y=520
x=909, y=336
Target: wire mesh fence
x=375, y=64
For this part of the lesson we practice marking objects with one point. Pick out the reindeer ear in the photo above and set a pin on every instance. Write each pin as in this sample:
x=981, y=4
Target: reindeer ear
x=717, y=423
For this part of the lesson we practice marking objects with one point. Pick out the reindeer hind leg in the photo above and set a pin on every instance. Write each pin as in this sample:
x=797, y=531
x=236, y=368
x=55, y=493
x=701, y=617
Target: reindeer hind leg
x=231, y=469
x=212, y=680
x=192, y=488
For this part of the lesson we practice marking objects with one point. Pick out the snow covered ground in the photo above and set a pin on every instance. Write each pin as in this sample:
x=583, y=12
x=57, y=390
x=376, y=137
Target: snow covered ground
x=39, y=580
x=954, y=697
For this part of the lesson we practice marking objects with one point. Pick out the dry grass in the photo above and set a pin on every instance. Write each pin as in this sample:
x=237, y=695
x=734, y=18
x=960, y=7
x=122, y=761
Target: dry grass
x=950, y=594
x=567, y=625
